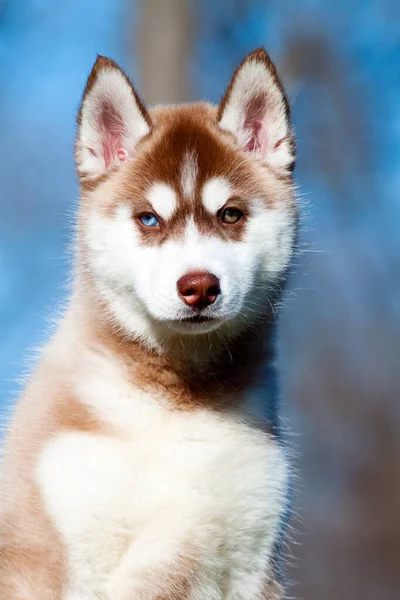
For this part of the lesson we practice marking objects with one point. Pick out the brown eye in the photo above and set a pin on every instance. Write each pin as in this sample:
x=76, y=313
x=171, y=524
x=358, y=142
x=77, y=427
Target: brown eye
x=230, y=216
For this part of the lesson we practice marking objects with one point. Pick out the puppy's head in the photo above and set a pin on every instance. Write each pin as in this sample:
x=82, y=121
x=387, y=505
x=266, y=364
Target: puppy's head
x=188, y=214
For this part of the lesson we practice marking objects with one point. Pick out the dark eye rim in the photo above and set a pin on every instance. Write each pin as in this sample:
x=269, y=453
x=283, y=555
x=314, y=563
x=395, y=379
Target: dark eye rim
x=148, y=212
x=240, y=212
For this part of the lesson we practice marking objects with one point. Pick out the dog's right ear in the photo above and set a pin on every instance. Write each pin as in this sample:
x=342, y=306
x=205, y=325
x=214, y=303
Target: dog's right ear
x=111, y=120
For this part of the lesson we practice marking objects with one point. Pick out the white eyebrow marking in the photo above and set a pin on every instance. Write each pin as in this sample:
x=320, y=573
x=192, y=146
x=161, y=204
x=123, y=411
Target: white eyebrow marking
x=216, y=192
x=163, y=199
x=189, y=172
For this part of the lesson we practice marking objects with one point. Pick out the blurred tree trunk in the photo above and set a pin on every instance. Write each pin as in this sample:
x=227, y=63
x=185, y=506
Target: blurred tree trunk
x=164, y=46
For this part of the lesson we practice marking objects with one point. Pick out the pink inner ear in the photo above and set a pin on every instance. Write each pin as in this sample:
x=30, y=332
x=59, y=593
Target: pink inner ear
x=112, y=131
x=255, y=141
x=255, y=123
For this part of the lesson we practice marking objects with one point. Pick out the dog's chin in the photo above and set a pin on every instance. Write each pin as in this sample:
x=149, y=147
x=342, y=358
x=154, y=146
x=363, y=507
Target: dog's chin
x=195, y=325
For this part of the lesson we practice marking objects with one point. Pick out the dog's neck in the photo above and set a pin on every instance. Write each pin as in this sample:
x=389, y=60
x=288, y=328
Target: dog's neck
x=188, y=369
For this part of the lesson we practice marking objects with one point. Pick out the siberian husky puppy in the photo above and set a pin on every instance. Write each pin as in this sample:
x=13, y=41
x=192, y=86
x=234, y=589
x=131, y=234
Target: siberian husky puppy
x=142, y=461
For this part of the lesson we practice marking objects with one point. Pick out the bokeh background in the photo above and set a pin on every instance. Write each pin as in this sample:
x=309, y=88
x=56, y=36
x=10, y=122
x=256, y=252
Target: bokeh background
x=340, y=329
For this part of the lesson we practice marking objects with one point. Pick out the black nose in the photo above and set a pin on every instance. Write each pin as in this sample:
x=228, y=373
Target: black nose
x=199, y=289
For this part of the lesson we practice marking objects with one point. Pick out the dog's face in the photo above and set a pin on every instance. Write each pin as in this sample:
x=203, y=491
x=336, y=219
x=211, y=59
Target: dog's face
x=188, y=216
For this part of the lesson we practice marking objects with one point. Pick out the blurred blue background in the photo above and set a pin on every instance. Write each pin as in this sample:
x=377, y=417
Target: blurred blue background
x=340, y=329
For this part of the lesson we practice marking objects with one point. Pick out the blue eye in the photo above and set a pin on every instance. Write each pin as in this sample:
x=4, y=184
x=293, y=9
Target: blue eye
x=149, y=220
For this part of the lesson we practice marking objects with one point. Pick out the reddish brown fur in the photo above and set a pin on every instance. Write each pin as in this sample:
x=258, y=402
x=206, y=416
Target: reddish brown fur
x=177, y=132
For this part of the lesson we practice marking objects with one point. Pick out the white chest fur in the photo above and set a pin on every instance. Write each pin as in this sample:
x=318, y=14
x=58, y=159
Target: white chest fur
x=193, y=486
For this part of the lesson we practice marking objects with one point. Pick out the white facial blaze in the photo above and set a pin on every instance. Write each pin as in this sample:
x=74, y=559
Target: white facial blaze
x=163, y=199
x=140, y=282
x=158, y=269
x=215, y=194
x=189, y=172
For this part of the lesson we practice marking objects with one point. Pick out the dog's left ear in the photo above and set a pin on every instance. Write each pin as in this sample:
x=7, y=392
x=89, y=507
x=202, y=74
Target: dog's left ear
x=111, y=120
x=255, y=109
